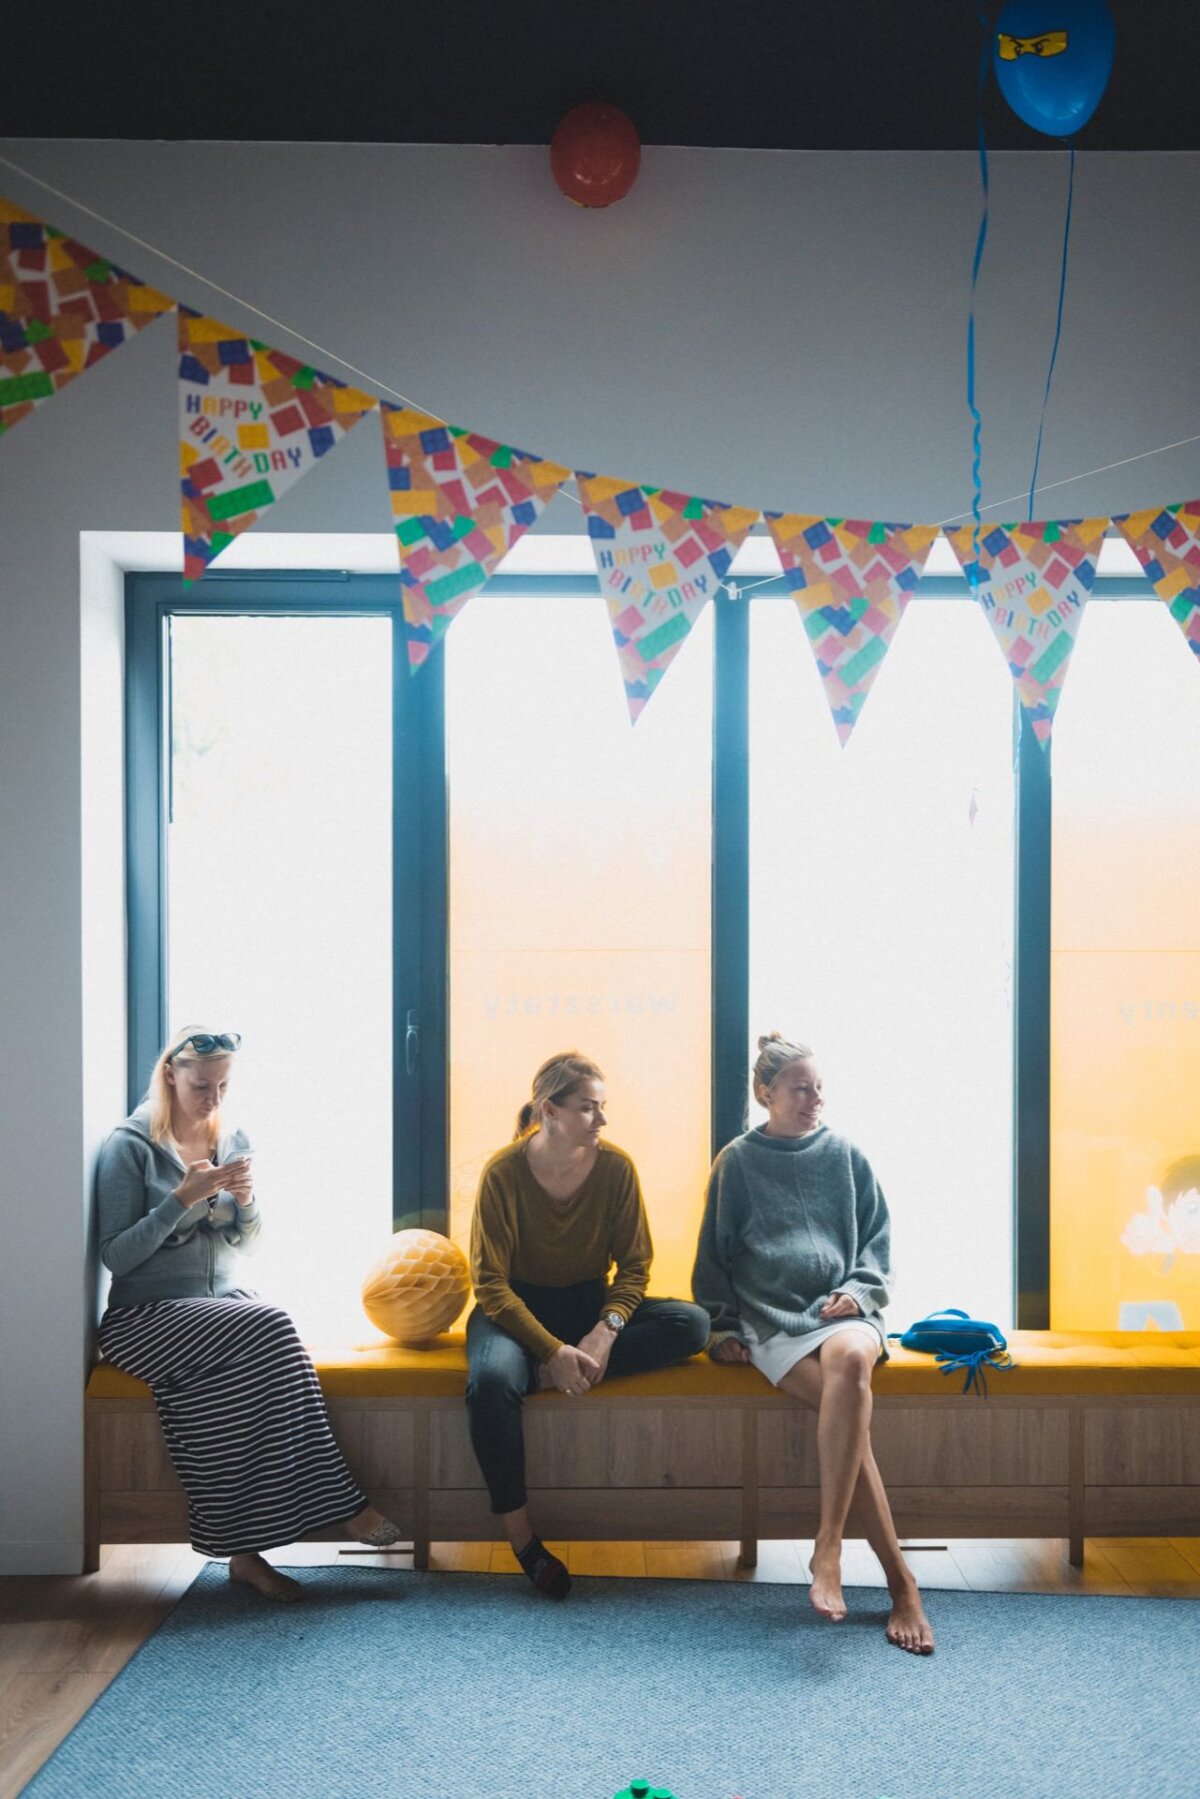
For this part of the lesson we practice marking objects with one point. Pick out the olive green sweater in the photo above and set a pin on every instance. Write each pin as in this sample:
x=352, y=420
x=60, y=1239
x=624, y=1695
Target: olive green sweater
x=520, y=1233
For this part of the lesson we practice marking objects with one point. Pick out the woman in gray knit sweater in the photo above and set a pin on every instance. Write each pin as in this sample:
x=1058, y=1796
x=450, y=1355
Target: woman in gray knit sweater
x=792, y=1267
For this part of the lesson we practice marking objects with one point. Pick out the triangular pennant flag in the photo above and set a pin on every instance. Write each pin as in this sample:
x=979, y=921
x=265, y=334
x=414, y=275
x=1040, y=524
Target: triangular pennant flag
x=1166, y=541
x=460, y=502
x=252, y=420
x=62, y=309
x=851, y=580
x=1033, y=582
x=660, y=557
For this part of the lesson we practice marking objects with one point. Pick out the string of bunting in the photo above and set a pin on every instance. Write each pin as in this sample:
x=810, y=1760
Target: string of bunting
x=254, y=420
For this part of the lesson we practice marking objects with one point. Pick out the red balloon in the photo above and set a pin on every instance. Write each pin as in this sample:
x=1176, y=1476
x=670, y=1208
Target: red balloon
x=594, y=154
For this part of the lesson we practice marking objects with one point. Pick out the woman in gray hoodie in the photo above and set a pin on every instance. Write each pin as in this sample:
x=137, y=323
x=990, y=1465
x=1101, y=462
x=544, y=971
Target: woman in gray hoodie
x=241, y=1410
x=792, y=1267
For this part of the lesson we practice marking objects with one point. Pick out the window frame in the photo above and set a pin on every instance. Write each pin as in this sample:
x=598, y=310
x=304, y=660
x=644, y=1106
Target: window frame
x=1032, y=843
x=420, y=1146
x=420, y=873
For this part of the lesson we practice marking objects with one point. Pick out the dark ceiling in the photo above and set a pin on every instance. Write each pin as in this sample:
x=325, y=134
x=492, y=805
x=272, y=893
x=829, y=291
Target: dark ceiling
x=773, y=74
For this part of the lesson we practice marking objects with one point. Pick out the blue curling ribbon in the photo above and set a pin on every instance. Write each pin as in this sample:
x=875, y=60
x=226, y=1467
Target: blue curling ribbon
x=981, y=240
x=1062, y=290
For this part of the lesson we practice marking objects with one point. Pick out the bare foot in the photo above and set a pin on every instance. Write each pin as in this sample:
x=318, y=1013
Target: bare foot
x=825, y=1593
x=370, y=1526
x=908, y=1627
x=254, y=1572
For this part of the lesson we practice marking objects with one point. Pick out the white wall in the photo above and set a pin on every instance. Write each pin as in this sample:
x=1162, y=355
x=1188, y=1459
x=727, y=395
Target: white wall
x=782, y=330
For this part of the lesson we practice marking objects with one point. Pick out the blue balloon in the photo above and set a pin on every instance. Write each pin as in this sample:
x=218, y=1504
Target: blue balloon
x=1053, y=59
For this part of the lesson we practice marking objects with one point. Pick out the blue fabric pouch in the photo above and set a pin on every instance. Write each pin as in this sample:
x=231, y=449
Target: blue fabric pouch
x=970, y=1344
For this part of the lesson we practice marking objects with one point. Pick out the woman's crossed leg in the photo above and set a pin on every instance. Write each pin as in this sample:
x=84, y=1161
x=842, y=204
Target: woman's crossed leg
x=835, y=1382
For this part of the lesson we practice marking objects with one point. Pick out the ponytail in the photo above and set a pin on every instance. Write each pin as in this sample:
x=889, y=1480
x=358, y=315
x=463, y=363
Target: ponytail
x=554, y=1081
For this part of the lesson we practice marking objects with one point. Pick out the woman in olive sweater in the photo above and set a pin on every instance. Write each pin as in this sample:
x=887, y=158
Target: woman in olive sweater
x=792, y=1268
x=557, y=1209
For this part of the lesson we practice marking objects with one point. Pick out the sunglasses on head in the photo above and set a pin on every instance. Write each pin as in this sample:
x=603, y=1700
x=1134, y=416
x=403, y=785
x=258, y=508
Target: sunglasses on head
x=205, y=1043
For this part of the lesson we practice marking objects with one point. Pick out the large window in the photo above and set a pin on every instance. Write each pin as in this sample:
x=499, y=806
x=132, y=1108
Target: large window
x=407, y=891
x=278, y=872
x=579, y=895
x=1125, y=1142
x=881, y=929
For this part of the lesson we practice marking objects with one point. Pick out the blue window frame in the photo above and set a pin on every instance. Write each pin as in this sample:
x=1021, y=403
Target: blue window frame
x=420, y=1071
x=1032, y=796
x=419, y=1075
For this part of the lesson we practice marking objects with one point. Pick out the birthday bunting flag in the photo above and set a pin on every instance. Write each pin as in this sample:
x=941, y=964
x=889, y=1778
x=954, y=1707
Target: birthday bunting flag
x=1166, y=541
x=252, y=420
x=62, y=308
x=460, y=502
x=660, y=557
x=1033, y=582
x=851, y=580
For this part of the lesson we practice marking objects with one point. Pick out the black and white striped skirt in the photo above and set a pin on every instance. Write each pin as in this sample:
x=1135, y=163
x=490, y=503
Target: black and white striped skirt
x=243, y=1416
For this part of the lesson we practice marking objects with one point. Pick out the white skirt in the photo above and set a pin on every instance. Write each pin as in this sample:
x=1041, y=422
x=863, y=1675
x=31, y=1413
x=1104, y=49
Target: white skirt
x=777, y=1355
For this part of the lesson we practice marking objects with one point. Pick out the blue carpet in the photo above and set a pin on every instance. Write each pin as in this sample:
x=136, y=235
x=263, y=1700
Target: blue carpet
x=471, y=1686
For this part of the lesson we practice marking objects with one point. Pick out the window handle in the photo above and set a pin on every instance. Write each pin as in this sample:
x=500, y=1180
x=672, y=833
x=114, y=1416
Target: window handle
x=412, y=1043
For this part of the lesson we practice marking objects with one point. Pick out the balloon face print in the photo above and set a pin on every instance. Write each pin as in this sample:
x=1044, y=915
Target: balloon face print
x=1053, y=59
x=1183, y=1222
x=1170, y=1223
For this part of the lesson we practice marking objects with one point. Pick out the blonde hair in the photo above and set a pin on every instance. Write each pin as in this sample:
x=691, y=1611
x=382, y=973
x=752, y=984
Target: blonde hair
x=158, y=1093
x=774, y=1054
x=554, y=1081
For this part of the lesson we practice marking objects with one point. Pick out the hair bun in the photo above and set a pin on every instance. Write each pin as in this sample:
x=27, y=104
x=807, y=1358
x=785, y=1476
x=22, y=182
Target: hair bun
x=771, y=1037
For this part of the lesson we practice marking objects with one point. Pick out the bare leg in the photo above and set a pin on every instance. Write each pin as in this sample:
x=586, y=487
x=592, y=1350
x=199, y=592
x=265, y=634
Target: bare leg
x=908, y=1627
x=843, y=1423
x=254, y=1571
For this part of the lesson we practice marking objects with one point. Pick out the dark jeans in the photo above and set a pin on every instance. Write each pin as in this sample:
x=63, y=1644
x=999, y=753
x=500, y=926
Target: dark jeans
x=501, y=1372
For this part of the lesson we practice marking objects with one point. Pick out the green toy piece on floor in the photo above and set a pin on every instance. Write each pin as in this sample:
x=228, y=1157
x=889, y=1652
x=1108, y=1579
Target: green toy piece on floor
x=641, y=1789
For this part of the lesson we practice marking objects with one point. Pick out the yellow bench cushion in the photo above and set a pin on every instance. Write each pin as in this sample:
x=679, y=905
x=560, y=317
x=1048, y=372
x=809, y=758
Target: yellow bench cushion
x=1049, y=1364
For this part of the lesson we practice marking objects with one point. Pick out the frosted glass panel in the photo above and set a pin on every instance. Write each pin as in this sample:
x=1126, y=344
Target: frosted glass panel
x=1125, y=1031
x=279, y=871
x=579, y=895
x=881, y=929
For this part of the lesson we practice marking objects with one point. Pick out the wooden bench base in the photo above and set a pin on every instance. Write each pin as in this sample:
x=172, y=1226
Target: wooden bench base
x=622, y=1466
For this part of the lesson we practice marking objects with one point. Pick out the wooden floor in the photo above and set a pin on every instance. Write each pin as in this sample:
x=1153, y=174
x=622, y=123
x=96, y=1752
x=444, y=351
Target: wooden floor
x=63, y=1639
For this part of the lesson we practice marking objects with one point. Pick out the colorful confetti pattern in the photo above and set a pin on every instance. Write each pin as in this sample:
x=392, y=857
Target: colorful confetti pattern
x=62, y=309
x=660, y=557
x=1166, y=541
x=1033, y=582
x=252, y=421
x=851, y=580
x=460, y=502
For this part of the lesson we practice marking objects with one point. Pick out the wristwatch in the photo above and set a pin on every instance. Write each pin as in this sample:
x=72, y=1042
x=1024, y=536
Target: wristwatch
x=614, y=1321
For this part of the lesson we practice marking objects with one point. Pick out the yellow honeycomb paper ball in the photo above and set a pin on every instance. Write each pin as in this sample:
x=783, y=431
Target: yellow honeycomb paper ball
x=417, y=1288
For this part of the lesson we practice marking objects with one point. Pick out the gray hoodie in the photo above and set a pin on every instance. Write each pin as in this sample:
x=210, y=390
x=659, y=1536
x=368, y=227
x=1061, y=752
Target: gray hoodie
x=154, y=1247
